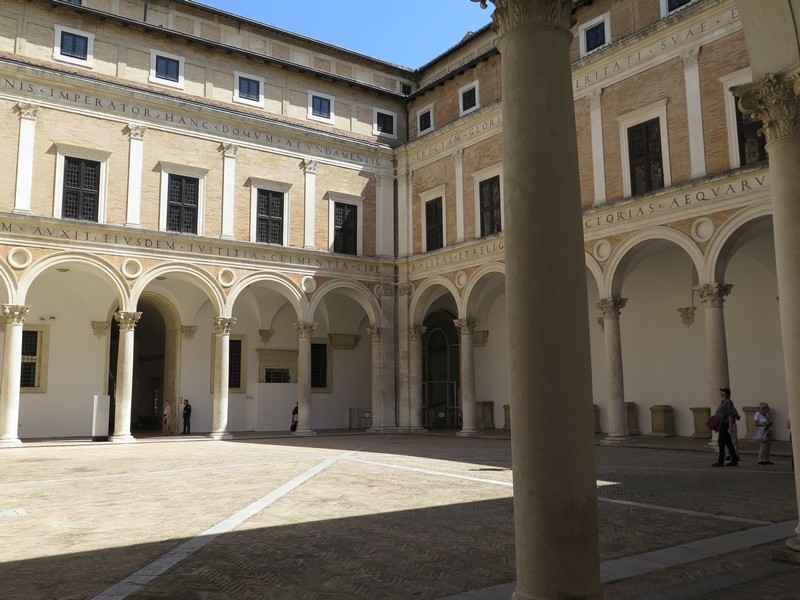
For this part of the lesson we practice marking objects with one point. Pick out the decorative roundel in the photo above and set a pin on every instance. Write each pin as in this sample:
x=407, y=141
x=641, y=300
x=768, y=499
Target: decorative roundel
x=132, y=268
x=461, y=279
x=309, y=284
x=19, y=258
x=702, y=229
x=602, y=250
x=226, y=277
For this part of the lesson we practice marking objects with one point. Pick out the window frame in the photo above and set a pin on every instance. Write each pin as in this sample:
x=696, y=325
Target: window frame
x=43, y=350
x=256, y=184
x=328, y=366
x=358, y=201
x=420, y=112
x=376, y=131
x=665, y=7
x=428, y=196
x=331, y=118
x=641, y=115
x=153, y=78
x=729, y=81
x=495, y=170
x=74, y=60
x=237, y=97
x=168, y=169
x=242, y=338
x=64, y=151
x=463, y=90
x=605, y=19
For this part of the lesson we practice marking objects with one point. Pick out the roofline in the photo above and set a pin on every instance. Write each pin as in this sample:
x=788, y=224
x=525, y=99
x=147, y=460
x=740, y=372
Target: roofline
x=468, y=37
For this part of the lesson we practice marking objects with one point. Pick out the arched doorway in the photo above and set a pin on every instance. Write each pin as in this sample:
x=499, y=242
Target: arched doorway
x=441, y=372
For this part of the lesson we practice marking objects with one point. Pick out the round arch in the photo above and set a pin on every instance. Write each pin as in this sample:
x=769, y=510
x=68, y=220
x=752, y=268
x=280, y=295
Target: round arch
x=422, y=296
x=285, y=286
x=205, y=281
x=353, y=289
x=596, y=270
x=9, y=281
x=475, y=284
x=720, y=250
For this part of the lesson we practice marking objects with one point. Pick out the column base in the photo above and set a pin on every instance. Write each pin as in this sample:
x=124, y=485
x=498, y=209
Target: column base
x=304, y=433
x=7, y=441
x=220, y=435
x=614, y=439
x=469, y=432
x=793, y=543
x=124, y=438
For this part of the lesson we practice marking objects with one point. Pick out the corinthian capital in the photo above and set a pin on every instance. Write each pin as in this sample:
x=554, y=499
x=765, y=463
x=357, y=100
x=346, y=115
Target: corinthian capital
x=510, y=14
x=304, y=328
x=223, y=325
x=13, y=314
x=27, y=110
x=376, y=333
x=775, y=101
x=465, y=326
x=712, y=295
x=611, y=307
x=415, y=332
x=127, y=320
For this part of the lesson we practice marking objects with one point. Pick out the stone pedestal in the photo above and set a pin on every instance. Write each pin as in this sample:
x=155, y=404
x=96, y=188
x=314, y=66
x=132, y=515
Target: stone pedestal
x=631, y=419
x=662, y=420
x=701, y=414
x=484, y=415
x=507, y=417
x=749, y=417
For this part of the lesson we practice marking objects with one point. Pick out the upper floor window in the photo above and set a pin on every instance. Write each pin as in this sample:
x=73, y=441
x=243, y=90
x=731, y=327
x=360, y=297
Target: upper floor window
x=644, y=150
x=752, y=147
x=468, y=98
x=434, y=234
x=269, y=217
x=74, y=46
x=595, y=34
x=320, y=107
x=81, y=194
x=345, y=223
x=166, y=69
x=667, y=6
x=425, y=119
x=384, y=122
x=490, y=209
x=249, y=89
x=182, y=198
x=745, y=145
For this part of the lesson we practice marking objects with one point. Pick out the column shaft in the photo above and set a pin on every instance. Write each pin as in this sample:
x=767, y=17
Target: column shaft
x=219, y=417
x=467, y=357
x=12, y=317
x=304, y=331
x=611, y=307
x=124, y=381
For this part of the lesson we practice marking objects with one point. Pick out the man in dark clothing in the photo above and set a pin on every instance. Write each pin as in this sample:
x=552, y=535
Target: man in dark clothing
x=187, y=416
x=726, y=413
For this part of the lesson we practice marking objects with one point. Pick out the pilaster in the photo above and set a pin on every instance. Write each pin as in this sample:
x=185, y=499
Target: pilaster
x=310, y=181
x=228, y=188
x=135, y=167
x=25, y=147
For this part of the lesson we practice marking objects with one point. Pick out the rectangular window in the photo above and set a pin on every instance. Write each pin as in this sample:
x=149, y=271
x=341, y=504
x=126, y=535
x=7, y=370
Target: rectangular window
x=644, y=151
x=345, y=228
x=234, y=363
x=424, y=121
x=31, y=350
x=434, y=234
x=676, y=4
x=182, y=203
x=752, y=147
x=277, y=376
x=469, y=99
x=321, y=107
x=168, y=68
x=249, y=89
x=269, y=217
x=489, y=190
x=384, y=123
x=595, y=37
x=74, y=45
x=81, y=191
x=76, y=2
x=319, y=365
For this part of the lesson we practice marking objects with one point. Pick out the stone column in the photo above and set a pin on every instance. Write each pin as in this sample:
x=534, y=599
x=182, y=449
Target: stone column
x=697, y=147
x=304, y=331
x=555, y=502
x=598, y=156
x=378, y=418
x=135, y=167
x=219, y=416
x=467, y=355
x=775, y=100
x=611, y=308
x=27, y=137
x=712, y=296
x=310, y=180
x=415, y=375
x=228, y=189
x=12, y=316
x=124, y=386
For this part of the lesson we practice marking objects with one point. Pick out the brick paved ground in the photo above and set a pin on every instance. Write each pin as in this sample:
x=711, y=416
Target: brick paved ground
x=359, y=516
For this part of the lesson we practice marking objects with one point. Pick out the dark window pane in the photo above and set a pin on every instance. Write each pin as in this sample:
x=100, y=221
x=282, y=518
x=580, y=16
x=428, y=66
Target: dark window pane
x=321, y=107
x=644, y=150
x=234, y=363
x=249, y=89
x=345, y=228
x=319, y=365
x=752, y=146
x=425, y=121
x=434, y=236
x=269, y=217
x=490, y=206
x=81, y=190
x=595, y=37
x=74, y=45
x=385, y=123
x=469, y=99
x=30, y=349
x=673, y=4
x=277, y=376
x=167, y=68
x=182, y=203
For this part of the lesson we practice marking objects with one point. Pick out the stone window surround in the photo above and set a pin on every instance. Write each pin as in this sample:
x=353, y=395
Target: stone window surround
x=656, y=110
x=425, y=197
x=168, y=169
x=482, y=175
x=740, y=77
x=243, y=372
x=420, y=112
x=605, y=18
x=154, y=54
x=665, y=9
x=43, y=350
x=74, y=60
x=358, y=201
x=331, y=120
x=237, y=75
x=63, y=151
x=462, y=90
x=287, y=359
x=376, y=131
x=256, y=183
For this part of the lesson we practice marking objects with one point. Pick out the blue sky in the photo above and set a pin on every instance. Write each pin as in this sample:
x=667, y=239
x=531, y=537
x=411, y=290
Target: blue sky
x=405, y=32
